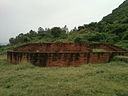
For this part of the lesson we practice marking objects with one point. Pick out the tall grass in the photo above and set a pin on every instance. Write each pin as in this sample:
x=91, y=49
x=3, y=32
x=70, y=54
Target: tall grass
x=87, y=80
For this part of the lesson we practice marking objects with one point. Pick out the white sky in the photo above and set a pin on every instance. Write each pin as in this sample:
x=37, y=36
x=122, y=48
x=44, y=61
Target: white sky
x=20, y=16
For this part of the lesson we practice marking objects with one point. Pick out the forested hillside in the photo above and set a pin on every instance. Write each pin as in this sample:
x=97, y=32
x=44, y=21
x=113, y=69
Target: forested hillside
x=111, y=29
x=119, y=15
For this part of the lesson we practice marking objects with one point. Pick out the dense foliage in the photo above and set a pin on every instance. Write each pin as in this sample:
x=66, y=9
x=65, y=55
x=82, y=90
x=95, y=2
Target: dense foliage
x=42, y=35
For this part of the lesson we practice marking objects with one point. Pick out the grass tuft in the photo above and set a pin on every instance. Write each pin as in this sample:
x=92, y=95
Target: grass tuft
x=98, y=50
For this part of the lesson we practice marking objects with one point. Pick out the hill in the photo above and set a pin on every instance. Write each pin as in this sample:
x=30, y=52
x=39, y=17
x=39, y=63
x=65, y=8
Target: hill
x=119, y=15
x=112, y=29
x=117, y=23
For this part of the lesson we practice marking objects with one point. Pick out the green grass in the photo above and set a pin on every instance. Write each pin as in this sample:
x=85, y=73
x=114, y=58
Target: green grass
x=121, y=58
x=87, y=80
x=99, y=50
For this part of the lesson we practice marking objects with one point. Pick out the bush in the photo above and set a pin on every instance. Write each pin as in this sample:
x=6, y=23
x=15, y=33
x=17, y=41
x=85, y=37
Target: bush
x=121, y=58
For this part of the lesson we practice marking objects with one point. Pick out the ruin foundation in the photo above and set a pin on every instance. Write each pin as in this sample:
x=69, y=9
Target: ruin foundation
x=64, y=54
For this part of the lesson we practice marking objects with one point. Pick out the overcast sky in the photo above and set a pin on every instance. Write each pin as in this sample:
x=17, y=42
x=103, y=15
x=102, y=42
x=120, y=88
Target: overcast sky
x=20, y=16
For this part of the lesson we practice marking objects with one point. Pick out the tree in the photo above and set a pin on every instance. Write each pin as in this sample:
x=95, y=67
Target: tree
x=40, y=29
x=125, y=36
x=57, y=32
x=65, y=28
x=80, y=28
x=96, y=37
x=78, y=40
x=26, y=39
x=12, y=41
x=32, y=34
x=75, y=29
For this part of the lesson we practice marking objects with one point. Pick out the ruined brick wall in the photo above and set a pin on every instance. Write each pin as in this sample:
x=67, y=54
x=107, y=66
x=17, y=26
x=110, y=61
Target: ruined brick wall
x=66, y=54
x=62, y=59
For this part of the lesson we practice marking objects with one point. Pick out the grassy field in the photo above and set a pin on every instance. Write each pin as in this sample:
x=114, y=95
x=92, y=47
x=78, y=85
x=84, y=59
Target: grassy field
x=87, y=80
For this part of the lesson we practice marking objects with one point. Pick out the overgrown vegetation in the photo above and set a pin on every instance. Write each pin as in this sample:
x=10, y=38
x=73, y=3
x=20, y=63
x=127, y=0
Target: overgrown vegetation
x=112, y=29
x=121, y=58
x=87, y=80
x=99, y=50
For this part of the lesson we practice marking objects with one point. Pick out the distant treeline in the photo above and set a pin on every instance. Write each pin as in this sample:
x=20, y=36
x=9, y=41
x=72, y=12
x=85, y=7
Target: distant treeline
x=44, y=35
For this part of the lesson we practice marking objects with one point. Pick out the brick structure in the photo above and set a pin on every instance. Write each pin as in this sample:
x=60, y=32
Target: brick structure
x=63, y=54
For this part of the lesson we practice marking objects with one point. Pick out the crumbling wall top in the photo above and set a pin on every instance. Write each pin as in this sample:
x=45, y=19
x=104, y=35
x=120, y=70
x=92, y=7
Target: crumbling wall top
x=65, y=47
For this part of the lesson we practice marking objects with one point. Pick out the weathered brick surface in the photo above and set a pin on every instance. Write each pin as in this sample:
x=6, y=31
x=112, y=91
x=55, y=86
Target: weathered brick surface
x=66, y=54
x=65, y=47
x=53, y=47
